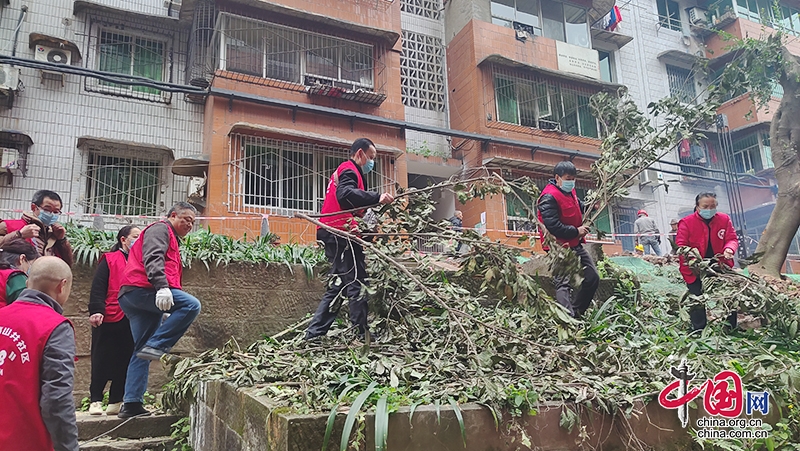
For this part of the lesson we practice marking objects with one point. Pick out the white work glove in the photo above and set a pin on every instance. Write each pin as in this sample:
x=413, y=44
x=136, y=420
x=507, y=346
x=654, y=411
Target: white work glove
x=164, y=299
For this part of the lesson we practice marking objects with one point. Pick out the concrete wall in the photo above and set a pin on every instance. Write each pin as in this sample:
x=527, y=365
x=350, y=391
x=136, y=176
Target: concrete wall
x=238, y=420
x=240, y=300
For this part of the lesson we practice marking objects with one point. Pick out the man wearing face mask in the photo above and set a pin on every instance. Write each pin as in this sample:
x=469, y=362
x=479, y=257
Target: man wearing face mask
x=40, y=227
x=712, y=234
x=561, y=212
x=347, y=190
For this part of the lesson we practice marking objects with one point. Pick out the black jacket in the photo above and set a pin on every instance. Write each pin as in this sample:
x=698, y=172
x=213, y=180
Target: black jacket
x=551, y=216
x=350, y=196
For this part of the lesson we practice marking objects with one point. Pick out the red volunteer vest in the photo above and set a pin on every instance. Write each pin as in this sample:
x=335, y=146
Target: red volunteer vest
x=25, y=328
x=4, y=276
x=116, y=267
x=135, y=275
x=570, y=213
x=331, y=203
x=12, y=225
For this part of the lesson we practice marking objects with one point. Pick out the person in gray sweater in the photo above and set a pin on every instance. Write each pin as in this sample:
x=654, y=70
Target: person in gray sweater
x=37, y=363
x=647, y=233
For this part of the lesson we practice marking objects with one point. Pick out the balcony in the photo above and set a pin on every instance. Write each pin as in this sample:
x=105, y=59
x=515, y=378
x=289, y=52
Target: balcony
x=616, y=38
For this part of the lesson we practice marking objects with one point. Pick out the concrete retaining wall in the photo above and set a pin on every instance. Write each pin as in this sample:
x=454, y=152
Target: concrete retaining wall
x=239, y=420
x=240, y=300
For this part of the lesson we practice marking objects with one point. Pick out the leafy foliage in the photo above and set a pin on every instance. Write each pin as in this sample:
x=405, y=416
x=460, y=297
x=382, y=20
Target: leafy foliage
x=202, y=245
x=517, y=347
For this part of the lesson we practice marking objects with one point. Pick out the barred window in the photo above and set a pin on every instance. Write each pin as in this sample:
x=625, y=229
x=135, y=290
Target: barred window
x=747, y=153
x=681, y=84
x=426, y=8
x=268, y=50
x=287, y=176
x=669, y=15
x=130, y=55
x=541, y=103
x=422, y=72
x=122, y=185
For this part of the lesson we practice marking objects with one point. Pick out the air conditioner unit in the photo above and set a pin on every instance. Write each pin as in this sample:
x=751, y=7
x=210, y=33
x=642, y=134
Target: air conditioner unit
x=196, y=187
x=53, y=55
x=651, y=177
x=10, y=158
x=549, y=125
x=9, y=77
x=697, y=16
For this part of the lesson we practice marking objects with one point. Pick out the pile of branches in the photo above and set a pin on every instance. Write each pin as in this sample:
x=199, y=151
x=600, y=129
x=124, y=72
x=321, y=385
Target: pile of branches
x=488, y=334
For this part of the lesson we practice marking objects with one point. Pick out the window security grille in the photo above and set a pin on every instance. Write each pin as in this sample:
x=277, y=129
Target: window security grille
x=681, y=84
x=422, y=72
x=123, y=186
x=266, y=50
x=669, y=15
x=426, y=8
x=283, y=177
x=537, y=102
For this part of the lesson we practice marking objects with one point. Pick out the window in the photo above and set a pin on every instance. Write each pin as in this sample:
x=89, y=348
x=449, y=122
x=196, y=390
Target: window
x=422, y=72
x=669, y=15
x=544, y=104
x=747, y=153
x=681, y=84
x=267, y=50
x=559, y=21
x=121, y=185
x=130, y=55
x=606, y=66
x=431, y=9
x=286, y=176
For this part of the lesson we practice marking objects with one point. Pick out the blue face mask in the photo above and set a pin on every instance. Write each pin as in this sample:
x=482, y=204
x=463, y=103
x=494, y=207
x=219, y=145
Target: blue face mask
x=568, y=185
x=130, y=243
x=47, y=218
x=707, y=214
x=368, y=166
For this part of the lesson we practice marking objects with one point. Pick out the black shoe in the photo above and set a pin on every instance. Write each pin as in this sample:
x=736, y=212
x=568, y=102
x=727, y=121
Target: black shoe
x=132, y=409
x=148, y=353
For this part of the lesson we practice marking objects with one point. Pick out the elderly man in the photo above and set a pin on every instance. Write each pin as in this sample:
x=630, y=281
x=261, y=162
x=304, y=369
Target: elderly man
x=151, y=286
x=647, y=232
x=37, y=363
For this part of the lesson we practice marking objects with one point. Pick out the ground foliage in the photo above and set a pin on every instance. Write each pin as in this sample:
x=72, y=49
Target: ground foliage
x=488, y=334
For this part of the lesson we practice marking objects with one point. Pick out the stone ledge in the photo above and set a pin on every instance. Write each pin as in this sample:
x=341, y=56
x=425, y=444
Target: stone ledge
x=237, y=420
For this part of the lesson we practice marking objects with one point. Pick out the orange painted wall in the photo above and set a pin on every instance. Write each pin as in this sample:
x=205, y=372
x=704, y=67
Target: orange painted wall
x=379, y=14
x=716, y=46
x=740, y=111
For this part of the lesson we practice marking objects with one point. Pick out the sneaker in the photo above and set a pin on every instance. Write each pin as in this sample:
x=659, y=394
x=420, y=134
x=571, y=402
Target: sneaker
x=113, y=408
x=96, y=408
x=132, y=409
x=148, y=353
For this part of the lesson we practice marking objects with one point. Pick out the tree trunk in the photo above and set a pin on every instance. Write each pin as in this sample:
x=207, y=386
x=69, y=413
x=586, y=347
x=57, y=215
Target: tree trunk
x=785, y=145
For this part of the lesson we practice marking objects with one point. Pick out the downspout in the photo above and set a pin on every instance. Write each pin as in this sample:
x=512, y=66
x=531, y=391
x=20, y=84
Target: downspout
x=22, y=11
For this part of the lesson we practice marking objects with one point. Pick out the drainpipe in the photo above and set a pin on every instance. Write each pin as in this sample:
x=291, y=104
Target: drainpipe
x=22, y=12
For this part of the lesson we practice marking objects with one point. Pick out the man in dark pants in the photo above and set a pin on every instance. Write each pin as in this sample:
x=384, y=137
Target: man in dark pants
x=347, y=190
x=562, y=214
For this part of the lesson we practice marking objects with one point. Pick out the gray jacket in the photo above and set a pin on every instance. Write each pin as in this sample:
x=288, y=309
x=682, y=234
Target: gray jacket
x=57, y=378
x=643, y=226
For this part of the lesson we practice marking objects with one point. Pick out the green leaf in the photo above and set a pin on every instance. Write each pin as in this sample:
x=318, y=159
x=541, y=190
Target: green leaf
x=353, y=413
x=411, y=413
x=438, y=412
x=460, y=419
x=329, y=428
x=381, y=424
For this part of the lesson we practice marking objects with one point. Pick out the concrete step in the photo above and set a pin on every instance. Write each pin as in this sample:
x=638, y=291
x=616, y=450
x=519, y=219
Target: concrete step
x=129, y=444
x=90, y=426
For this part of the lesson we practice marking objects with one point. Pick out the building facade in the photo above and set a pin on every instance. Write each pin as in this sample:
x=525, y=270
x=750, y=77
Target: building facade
x=442, y=87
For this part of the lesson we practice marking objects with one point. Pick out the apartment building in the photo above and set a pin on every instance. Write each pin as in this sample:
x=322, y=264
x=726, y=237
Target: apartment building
x=442, y=87
x=107, y=148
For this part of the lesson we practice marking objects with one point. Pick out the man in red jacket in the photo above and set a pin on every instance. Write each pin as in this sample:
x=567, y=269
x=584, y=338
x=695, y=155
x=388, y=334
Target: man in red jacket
x=37, y=364
x=561, y=212
x=713, y=236
x=151, y=286
x=40, y=227
x=347, y=190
